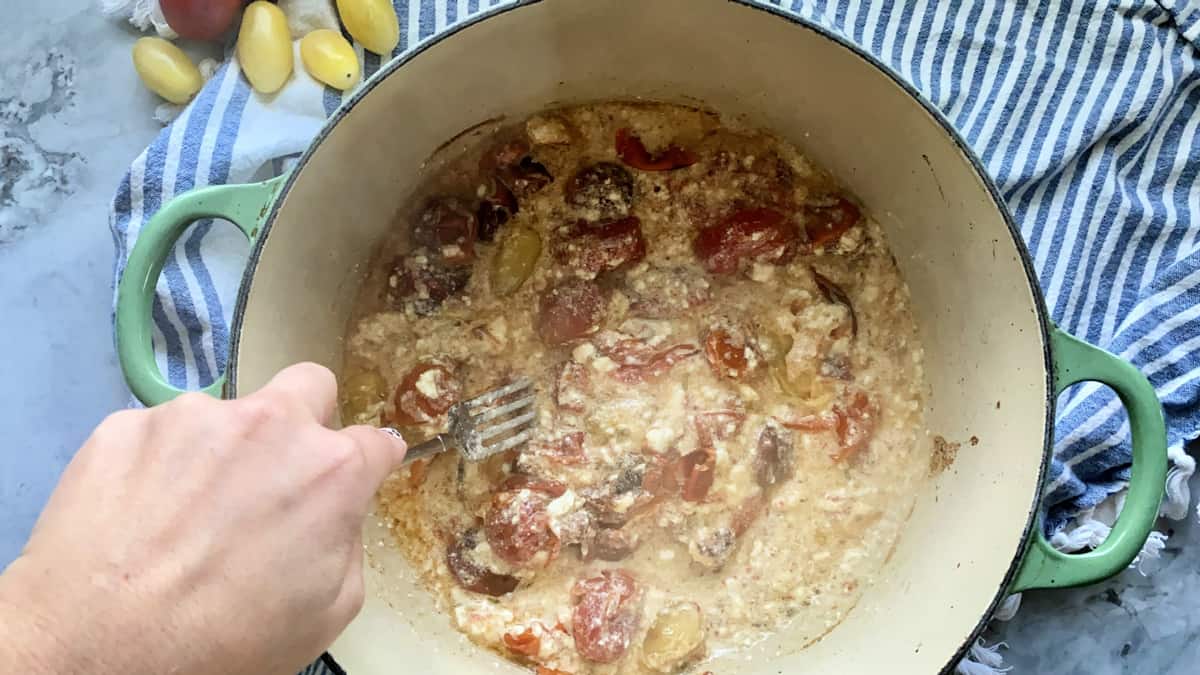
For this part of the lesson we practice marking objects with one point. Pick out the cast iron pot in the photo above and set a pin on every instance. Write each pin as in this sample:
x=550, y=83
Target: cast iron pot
x=995, y=363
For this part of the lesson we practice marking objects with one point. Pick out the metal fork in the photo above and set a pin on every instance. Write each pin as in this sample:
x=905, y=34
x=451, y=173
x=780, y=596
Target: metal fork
x=488, y=424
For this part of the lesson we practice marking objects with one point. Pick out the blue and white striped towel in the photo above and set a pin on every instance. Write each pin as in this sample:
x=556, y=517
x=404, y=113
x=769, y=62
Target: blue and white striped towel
x=1084, y=111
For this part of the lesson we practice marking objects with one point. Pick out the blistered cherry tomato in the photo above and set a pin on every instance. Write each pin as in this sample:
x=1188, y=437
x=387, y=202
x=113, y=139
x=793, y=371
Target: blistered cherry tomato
x=638, y=361
x=572, y=387
x=604, y=187
x=518, y=527
x=447, y=227
x=633, y=152
x=605, y=616
x=496, y=207
x=758, y=235
x=422, y=283
x=855, y=425
x=593, y=248
x=570, y=311
x=525, y=643
x=470, y=574
x=719, y=425
x=827, y=224
x=426, y=392
x=728, y=354
x=697, y=469
x=567, y=448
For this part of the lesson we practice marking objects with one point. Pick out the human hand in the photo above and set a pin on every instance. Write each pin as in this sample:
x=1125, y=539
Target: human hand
x=201, y=536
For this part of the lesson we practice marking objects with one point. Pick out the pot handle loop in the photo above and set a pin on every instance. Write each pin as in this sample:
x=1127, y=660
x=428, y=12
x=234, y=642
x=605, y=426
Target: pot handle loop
x=1044, y=566
x=244, y=205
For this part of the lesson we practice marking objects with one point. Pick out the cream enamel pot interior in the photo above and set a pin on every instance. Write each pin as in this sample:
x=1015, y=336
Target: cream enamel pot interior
x=995, y=364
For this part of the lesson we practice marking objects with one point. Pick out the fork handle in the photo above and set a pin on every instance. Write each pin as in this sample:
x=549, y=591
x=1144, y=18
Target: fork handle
x=436, y=445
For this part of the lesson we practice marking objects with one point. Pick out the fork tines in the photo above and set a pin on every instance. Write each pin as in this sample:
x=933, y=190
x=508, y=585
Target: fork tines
x=495, y=421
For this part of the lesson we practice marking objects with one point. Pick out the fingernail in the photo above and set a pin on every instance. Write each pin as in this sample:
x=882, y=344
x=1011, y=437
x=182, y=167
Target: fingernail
x=393, y=433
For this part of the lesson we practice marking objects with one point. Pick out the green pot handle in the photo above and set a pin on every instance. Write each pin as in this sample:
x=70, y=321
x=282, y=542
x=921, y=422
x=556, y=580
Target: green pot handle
x=244, y=205
x=1045, y=567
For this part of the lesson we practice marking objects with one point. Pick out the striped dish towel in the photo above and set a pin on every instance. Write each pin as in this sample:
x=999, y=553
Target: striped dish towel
x=1083, y=111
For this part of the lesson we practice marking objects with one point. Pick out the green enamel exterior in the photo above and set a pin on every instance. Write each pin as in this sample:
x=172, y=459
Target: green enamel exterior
x=1044, y=567
x=244, y=205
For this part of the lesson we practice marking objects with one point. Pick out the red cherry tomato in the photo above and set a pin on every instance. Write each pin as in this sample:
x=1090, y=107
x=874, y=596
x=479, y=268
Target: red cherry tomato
x=525, y=643
x=827, y=224
x=200, y=19
x=631, y=151
x=425, y=393
x=601, y=247
x=473, y=576
x=605, y=616
x=572, y=387
x=719, y=425
x=727, y=354
x=697, y=469
x=518, y=527
x=761, y=235
x=569, y=311
x=855, y=425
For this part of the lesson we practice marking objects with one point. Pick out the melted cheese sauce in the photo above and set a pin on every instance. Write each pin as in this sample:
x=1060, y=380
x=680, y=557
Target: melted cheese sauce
x=797, y=548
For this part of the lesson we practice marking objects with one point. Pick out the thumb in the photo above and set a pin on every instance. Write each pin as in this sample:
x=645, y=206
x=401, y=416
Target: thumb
x=382, y=451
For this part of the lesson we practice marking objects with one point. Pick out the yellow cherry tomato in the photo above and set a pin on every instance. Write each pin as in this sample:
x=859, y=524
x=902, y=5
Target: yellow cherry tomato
x=166, y=70
x=264, y=47
x=329, y=58
x=373, y=23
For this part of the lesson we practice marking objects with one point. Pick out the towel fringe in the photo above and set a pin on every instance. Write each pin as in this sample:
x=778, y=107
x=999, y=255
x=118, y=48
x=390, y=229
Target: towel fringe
x=143, y=14
x=983, y=659
x=1179, y=496
x=1088, y=531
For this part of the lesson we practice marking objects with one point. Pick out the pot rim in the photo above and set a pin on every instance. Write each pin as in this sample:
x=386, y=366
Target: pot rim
x=390, y=67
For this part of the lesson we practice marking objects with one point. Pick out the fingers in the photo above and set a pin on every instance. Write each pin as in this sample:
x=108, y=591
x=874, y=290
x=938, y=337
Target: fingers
x=382, y=452
x=312, y=387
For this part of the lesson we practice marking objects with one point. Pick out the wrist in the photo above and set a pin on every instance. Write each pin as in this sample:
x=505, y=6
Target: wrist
x=32, y=636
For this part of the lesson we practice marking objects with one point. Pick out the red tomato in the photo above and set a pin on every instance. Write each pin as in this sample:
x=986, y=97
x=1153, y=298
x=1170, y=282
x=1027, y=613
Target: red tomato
x=518, y=527
x=697, y=469
x=572, y=387
x=473, y=576
x=605, y=616
x=855, y=425
x=425, y=393
x=567, y=449
x=424, y=284
x=570, y=311
x=661, y=478
x=495, y=209
x=825, y=421
x=525, y=643
x=718, y=425
x=447, y=227
x=762, y=235
x=523, y=481
x=200, y=19
x=631, y=151
x=600, y=247
x=727, y=354
x=747, y=513
x=827, y=224
x=637, y=361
